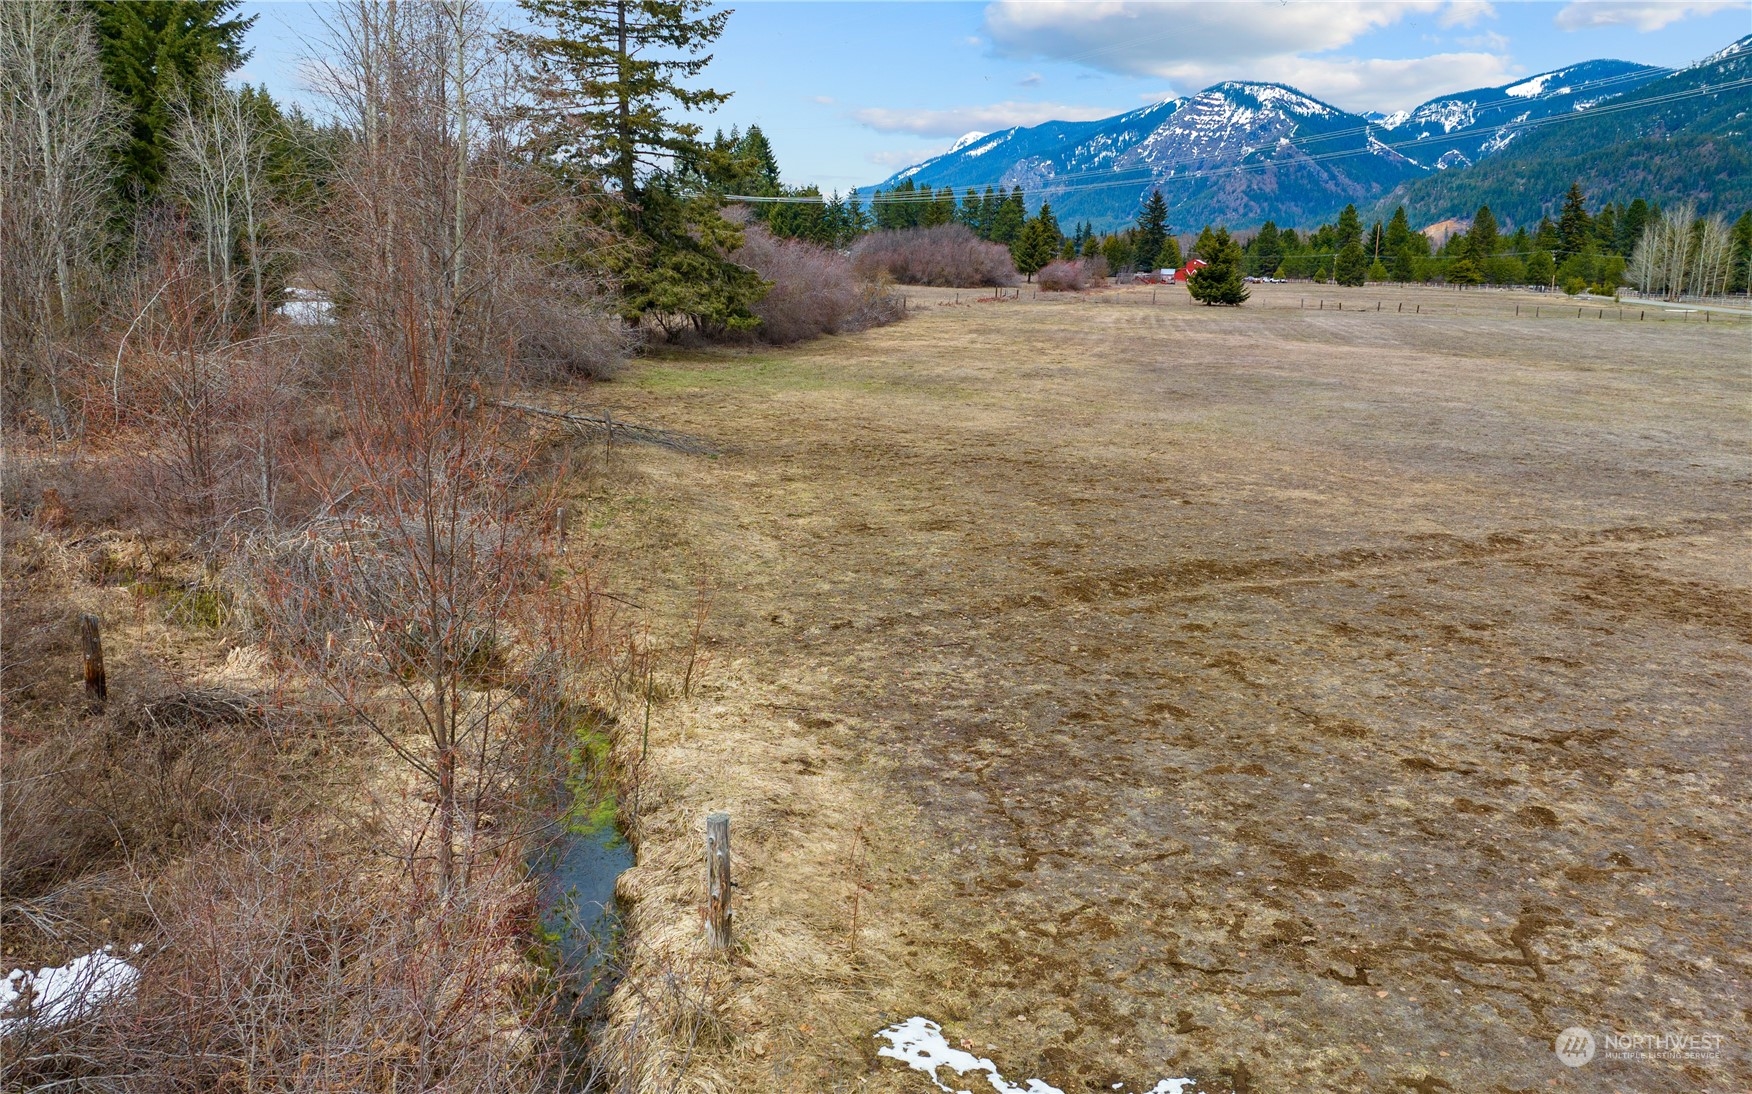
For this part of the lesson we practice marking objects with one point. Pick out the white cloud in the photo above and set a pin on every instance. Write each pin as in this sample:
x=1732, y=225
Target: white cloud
x=1033, y=79
x=824, y=100
x=1644, y=15
x=958, y=120
x=1464, y=13
x=1138, y=38
x=895, y=158
x=1196, y=43
x=1488, y=39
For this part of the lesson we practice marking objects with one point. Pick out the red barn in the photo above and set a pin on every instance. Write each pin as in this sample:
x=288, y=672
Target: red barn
x=1186, y=271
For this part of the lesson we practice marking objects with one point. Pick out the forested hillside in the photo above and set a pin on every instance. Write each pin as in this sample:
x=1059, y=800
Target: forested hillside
x=1684, y=137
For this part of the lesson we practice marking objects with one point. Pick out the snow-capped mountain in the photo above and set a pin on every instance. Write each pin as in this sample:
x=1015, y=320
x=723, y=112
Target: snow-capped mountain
x=1482, y=122
x=1679, y=137
x=1224, y=154
x=1241, y=152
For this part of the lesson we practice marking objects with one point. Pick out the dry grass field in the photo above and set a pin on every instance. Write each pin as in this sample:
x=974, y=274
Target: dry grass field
x=1290, y=699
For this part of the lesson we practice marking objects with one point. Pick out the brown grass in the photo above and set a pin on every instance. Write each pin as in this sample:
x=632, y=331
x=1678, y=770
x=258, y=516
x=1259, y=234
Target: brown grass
x=1296, y=699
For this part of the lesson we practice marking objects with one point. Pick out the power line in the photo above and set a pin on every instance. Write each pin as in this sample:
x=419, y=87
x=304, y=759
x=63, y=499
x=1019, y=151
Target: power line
x=1091, y=180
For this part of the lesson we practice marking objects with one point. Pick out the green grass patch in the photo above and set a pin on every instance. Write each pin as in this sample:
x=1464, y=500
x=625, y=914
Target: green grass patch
x=595, y=806
x=767, y=373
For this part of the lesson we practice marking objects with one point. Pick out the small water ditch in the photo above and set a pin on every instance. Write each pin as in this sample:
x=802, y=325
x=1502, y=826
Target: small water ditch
x=578, y=864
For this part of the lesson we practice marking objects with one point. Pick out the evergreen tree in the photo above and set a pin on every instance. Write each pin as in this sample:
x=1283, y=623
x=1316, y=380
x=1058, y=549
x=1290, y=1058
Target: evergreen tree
x=1398, y=232
x=1152, y=229
x=1168, y=258
x=838, y=233
x=677, y=266
x=1118, y=252
x=613, y=69
x=1352, y=265
x=1008, y=221
x=937, y=211
x=988, y=213
x=1265, y=252
x=1606, y=229
x=1546, y=237
x=1463, y=271
x=1630, y=227
x=972, y=212
x=1350, y=228
x=1219, y=282
x=857, y=221
x=1740, y=255
x=1206, y=245
x=897, y=208
x=1050, y=224
x=755, y=148
x=1482, y=239
x=152, y=52
x=1573, y=227
x=1035, y=246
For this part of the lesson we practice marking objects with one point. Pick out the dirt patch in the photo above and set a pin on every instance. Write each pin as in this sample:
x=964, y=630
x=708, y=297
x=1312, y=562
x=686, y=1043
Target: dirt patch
x=1292, y=699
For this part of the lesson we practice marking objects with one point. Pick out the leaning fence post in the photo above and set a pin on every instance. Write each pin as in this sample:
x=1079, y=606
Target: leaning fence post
x=91, y=638
x=718, y=912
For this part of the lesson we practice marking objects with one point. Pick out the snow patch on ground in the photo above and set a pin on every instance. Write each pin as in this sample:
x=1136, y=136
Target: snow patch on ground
x=966, y=139
x=919, y=1044
x=307, y=308
x=58, y=994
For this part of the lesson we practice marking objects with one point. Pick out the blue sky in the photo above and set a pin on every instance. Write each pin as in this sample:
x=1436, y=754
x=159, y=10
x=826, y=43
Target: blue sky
x=849, y=92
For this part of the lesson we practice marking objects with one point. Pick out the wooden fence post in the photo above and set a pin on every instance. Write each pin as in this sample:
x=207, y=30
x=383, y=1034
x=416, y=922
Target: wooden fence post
x=718, y=914
x=91, y=638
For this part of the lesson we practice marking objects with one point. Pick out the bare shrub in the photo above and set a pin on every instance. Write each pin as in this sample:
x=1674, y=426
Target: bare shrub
x=815, y=290
x=278, y=961
x=435, y=232
x=947, y=254
x=1060, y=275
x=157, y=775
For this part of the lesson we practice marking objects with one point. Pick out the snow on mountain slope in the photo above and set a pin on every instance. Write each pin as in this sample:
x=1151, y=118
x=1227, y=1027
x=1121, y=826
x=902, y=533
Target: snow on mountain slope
x=1242, y=151
x=1482, y=122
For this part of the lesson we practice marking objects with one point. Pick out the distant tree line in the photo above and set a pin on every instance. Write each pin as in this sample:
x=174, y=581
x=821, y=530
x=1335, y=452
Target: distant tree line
x=1638, y=244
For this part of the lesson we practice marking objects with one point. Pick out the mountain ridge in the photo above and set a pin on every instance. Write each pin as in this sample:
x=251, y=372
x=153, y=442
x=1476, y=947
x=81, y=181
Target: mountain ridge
x=1243, y=151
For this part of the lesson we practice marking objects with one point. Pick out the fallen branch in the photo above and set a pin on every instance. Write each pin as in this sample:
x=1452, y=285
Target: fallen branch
x=603, y=424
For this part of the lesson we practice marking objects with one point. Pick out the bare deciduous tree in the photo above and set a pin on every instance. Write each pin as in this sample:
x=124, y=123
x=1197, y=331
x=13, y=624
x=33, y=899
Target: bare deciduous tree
x=219, y=168
x=57, y=127
x=1680, y=254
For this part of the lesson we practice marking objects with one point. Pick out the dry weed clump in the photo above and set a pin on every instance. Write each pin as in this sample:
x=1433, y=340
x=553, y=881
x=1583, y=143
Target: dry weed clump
x=282, y=958
x=945, y=255
x=815, y=290
x=1071, y=275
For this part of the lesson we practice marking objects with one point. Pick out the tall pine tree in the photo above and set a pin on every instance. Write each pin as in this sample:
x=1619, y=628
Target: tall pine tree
x=1573, y=226
x=1219, y=282
x=154, y=52
x=1151, y=231
x=610, y=73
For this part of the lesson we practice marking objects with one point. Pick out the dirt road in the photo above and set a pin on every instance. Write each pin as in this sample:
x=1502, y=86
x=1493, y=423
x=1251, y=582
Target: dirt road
x=1289, y=699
